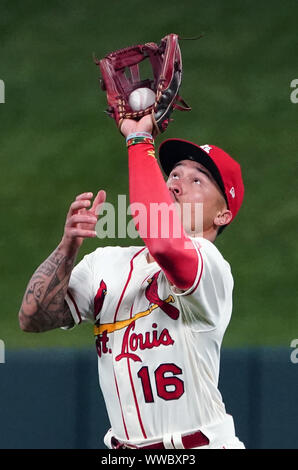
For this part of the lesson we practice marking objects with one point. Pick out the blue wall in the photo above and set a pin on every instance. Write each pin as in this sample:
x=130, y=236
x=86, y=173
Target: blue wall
x=51, y=399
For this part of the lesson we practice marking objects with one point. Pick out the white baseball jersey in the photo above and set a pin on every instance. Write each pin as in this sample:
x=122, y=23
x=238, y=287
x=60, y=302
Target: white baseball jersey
x=158, y=349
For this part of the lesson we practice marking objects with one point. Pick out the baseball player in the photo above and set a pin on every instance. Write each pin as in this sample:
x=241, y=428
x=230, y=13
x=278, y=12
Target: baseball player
x=159, y=311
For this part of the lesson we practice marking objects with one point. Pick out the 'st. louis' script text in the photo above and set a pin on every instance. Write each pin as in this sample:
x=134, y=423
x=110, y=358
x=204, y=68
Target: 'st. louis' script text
x=133, y=342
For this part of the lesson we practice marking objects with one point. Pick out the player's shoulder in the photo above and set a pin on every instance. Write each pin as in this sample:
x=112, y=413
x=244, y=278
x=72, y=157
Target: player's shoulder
x=207, y=246
x=210, y=252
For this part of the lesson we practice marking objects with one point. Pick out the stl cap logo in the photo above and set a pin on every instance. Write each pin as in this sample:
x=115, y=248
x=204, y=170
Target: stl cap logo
x=206, y=148
x=232, y=192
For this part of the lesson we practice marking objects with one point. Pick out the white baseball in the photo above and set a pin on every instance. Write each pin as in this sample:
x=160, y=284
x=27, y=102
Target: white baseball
x=141, y=98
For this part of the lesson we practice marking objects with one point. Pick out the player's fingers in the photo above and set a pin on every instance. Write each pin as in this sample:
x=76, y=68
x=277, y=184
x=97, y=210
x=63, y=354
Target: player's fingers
x=78, y=205
x=81, y=219
x=98, y=201
x=88, y=195
x=82, y=233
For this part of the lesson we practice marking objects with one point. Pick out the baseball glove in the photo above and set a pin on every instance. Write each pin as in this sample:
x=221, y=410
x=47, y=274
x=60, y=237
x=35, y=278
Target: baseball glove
x=120, y=76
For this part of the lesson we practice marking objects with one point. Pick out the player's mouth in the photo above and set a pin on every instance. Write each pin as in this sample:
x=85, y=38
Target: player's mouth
x=173, y=195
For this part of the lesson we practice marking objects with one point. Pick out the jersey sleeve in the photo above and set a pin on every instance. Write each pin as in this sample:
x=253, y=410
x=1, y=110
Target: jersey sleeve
x=208, y=302
x=80, y=292
x=171, y=249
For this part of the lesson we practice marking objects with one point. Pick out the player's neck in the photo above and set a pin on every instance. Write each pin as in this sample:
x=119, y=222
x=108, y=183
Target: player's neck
x=150, y=258
x=210, y=235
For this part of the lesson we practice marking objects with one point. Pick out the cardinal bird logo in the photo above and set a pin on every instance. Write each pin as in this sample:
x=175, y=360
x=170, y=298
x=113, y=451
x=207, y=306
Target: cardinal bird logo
x=151, y=294
x=99, y=298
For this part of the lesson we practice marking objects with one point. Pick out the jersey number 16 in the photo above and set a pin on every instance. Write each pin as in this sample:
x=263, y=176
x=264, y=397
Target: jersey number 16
x=168, y=387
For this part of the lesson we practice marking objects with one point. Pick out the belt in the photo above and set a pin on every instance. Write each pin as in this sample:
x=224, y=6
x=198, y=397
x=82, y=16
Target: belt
x=196, y=439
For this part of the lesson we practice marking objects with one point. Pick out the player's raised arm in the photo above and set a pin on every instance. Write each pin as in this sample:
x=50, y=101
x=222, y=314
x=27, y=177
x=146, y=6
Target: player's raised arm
x=44, y=307
x=177, y=257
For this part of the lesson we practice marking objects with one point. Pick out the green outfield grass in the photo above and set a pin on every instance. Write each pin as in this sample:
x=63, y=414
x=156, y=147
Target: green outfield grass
x=56, y=142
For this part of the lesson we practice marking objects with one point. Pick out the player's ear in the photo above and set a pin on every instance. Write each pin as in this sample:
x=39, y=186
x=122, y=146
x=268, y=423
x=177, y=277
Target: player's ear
x=223, y=217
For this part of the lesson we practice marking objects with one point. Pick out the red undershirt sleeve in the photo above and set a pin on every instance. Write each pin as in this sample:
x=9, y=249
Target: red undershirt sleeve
x=163, y=235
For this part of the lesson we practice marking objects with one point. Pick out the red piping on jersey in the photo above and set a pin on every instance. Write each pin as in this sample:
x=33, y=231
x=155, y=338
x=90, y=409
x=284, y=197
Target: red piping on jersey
x=126, y=284
x=115, y=316
x=125, y=429
x=134, y=393
x=147, y=277
x=75, y=306
x=200, y=276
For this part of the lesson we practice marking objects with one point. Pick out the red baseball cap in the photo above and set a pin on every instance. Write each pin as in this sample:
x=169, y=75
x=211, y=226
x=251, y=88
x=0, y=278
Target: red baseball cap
x=224, y=169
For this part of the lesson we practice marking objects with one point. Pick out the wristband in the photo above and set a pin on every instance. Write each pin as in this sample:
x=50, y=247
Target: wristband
x=139, y=138
x=138, y=134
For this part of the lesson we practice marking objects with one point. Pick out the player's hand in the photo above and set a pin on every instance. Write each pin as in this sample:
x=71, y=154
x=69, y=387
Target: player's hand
x=143, y=125
x=81, y=219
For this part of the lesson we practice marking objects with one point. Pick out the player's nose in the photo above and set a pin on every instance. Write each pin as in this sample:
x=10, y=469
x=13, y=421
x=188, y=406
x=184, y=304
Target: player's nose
x=176, y=190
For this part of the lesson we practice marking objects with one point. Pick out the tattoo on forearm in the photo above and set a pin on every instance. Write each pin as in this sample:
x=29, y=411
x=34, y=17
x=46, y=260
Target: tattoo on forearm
x=47, y=268
x=44, y=303
x=35, y=289
x=44, y=320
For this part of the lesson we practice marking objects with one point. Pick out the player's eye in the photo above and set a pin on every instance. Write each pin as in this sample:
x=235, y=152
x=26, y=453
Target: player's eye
x=196, y=180
x=174, y=176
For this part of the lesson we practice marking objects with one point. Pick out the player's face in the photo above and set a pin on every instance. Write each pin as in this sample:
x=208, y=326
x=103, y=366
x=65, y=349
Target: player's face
x=190, y=183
